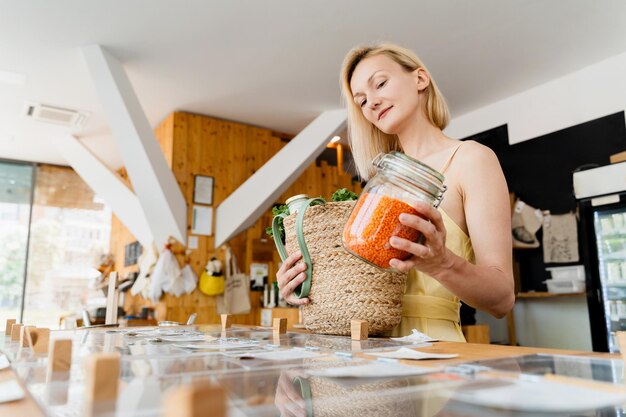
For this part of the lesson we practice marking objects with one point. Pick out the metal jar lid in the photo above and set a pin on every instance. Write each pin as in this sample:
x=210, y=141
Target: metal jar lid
x=412, y=172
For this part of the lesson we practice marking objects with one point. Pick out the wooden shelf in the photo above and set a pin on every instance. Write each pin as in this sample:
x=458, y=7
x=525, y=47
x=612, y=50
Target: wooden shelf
x=548, y=294
x=525, y=248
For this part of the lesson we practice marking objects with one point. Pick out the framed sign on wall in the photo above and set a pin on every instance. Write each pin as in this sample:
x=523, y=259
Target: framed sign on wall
x=132, y=251
x=203, y=190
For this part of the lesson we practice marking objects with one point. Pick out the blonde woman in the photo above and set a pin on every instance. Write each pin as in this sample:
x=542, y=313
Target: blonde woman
x=394, y=104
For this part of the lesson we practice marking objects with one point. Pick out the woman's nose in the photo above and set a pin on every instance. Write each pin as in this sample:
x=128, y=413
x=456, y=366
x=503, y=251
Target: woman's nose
x=374, y=102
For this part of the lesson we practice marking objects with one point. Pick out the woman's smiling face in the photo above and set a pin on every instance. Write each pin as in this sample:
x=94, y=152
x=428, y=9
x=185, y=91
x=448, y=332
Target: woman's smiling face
x=386, y=92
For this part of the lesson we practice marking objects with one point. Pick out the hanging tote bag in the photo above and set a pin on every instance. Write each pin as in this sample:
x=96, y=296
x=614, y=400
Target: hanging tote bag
x=340, y=287
x=190, y=279
x=236, y=298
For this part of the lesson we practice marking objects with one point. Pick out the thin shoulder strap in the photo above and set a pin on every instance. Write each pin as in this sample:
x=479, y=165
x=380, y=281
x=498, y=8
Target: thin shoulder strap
x=449, y=161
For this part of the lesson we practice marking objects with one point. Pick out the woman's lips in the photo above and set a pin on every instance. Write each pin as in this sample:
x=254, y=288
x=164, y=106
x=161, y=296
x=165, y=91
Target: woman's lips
x=384, y=112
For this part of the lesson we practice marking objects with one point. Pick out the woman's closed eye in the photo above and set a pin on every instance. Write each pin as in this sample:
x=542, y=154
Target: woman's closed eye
x=362, y=103
x=381, y=84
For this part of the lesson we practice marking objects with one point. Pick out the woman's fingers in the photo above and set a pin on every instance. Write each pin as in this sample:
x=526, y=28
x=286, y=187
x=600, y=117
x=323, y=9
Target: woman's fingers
x=413, y=248
x=290, y=261
x=289, y=288
x=289, y=270
x=431, y=214
x=295, y=301
x=295, y=403
x=285, y=277
x=402, y=266
x=289, y=276
x=427, y=228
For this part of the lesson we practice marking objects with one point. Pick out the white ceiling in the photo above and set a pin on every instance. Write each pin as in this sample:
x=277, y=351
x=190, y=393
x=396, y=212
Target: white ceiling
x=275, y=63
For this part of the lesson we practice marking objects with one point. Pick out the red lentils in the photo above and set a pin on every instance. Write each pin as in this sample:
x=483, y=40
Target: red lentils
x=373, y=221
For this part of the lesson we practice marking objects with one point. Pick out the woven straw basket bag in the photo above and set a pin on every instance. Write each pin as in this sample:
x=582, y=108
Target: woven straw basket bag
x=328, y=397
x=340, y=287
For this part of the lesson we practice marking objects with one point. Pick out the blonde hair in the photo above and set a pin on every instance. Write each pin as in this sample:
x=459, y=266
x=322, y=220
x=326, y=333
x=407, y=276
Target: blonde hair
x=366, y=140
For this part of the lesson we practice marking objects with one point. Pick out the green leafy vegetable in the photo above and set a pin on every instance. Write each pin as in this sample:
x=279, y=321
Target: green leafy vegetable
x=343, y=194
x=282, y=209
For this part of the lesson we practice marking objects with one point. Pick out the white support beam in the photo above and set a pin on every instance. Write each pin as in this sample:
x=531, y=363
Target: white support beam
x=108, y=186
x=248, y=202
x=153, y=181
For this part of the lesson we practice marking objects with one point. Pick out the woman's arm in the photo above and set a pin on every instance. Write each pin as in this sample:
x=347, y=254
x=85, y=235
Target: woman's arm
x=487, y=284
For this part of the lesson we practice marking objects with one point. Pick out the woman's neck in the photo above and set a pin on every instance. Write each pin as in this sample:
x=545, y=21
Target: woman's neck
x=420, y=138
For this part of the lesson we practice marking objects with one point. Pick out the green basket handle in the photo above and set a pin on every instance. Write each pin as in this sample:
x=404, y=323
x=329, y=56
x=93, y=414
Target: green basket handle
x=303, y=386
x=276, y=233
x=303, y=289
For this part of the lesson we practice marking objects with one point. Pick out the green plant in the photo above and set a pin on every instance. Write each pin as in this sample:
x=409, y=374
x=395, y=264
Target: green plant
x=343, y=194
x=282, y=209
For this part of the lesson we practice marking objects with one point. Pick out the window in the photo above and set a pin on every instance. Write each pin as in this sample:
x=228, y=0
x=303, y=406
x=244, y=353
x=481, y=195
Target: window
x=54, y=236
x=15, y=198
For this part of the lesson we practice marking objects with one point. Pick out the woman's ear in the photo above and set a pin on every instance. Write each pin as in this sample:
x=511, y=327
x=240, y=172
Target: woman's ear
x=422, y=79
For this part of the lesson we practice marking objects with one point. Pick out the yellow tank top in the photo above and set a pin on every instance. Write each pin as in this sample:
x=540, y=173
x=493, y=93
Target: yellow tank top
x=427, y=305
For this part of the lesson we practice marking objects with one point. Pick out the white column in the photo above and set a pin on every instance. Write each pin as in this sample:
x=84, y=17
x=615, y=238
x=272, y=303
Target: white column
x=248, y=202
x=108, y=186
x=153, y=181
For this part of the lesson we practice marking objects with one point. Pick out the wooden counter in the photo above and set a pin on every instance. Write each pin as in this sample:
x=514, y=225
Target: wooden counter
x=544, y=295
x=469, y=352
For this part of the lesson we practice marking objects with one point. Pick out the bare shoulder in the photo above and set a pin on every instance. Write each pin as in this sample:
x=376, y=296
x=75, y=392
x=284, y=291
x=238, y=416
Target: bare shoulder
x=474, y=151
x=475, y=165
x=474, y=158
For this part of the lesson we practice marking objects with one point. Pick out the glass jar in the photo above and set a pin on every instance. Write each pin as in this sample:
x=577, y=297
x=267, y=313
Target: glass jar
x=399, y=183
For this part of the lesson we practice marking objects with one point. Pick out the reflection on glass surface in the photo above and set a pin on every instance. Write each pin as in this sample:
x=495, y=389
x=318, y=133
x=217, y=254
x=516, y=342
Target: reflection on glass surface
x=262, y=387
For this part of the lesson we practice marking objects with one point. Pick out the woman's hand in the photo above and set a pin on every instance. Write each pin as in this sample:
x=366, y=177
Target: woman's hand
x=288, y=400
x=431, y=255
x=289, y=276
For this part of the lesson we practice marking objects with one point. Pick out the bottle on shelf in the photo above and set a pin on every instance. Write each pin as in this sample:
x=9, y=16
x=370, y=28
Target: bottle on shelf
x=272, y=298
x=266, y=295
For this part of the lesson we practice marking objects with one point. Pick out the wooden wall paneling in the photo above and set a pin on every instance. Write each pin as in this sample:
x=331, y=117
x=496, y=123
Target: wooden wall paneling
x=221, y=188
x=164, y=134
x=180, y=158
x=229, y=152
x=335, y=180
x=200, y=148
x=183, y=168
x=312, y=185
x=192, y=168
x=324, y=179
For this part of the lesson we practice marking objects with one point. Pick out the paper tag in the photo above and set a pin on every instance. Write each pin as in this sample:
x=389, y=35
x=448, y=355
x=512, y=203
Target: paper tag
x=192, y=242
x=415, y=336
